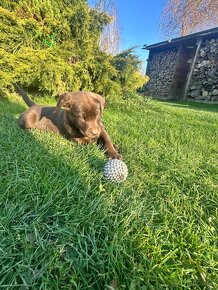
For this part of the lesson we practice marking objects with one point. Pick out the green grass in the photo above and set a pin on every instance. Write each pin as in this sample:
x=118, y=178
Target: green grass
x=62, y=226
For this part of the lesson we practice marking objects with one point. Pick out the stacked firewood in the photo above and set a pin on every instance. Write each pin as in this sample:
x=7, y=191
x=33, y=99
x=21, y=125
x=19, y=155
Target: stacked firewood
x=204, y=80
x=161, y=69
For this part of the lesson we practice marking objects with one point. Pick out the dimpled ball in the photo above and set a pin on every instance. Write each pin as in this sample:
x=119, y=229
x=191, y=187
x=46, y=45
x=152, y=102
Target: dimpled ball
x=115, y=170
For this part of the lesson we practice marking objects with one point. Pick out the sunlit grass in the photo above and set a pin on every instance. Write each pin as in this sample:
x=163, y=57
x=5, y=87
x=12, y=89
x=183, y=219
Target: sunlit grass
x=64, y=227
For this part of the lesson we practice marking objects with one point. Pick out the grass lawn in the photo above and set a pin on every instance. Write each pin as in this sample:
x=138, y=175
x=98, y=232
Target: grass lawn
x=62, y=226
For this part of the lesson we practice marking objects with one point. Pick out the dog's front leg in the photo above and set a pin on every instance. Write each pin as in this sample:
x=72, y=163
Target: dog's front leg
x=105, y=140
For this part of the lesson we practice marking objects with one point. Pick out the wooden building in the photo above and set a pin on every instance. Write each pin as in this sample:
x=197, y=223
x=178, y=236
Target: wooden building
x=185, y=67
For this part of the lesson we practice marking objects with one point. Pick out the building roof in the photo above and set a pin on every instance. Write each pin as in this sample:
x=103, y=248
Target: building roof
x=178, y=40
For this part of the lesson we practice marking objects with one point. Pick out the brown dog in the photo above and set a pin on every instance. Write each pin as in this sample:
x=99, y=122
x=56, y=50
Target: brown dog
x=77, y=117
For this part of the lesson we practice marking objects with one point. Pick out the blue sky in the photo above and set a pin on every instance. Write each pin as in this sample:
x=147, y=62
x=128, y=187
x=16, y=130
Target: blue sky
x=138, y=22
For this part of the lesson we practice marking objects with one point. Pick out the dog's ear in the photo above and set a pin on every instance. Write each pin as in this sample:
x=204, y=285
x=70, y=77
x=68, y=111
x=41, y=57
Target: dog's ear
x=101, y=100
x=65, y=100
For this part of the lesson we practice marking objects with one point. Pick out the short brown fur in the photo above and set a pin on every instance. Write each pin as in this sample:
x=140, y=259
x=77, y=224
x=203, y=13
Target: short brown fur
x=77, y=117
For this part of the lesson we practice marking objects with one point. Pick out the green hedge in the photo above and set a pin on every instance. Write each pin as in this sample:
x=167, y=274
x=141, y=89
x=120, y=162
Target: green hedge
x=53, y=46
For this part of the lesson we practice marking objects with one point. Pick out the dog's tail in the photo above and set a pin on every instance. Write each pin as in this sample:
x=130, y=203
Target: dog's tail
x=24, y=95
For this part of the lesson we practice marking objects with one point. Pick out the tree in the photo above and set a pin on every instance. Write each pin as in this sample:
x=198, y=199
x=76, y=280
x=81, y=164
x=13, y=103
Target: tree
x=52, y=46
x=128, y=65
x=110, y=36
x=182, y=17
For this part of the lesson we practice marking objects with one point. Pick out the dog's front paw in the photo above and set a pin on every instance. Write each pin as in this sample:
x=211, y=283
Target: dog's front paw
x=113, y=154
x=116, y=156
x=82, y=141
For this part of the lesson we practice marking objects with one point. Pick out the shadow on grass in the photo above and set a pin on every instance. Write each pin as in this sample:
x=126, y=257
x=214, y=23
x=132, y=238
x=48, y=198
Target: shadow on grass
x=186, y=104
x=49, y=213
x=8, y=105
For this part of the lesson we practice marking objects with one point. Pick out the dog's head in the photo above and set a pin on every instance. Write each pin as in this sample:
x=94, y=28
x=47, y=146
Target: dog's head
x=84, y=110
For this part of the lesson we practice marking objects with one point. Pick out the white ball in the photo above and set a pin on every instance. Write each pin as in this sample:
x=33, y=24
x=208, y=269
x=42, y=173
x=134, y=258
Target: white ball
x=115, y=170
